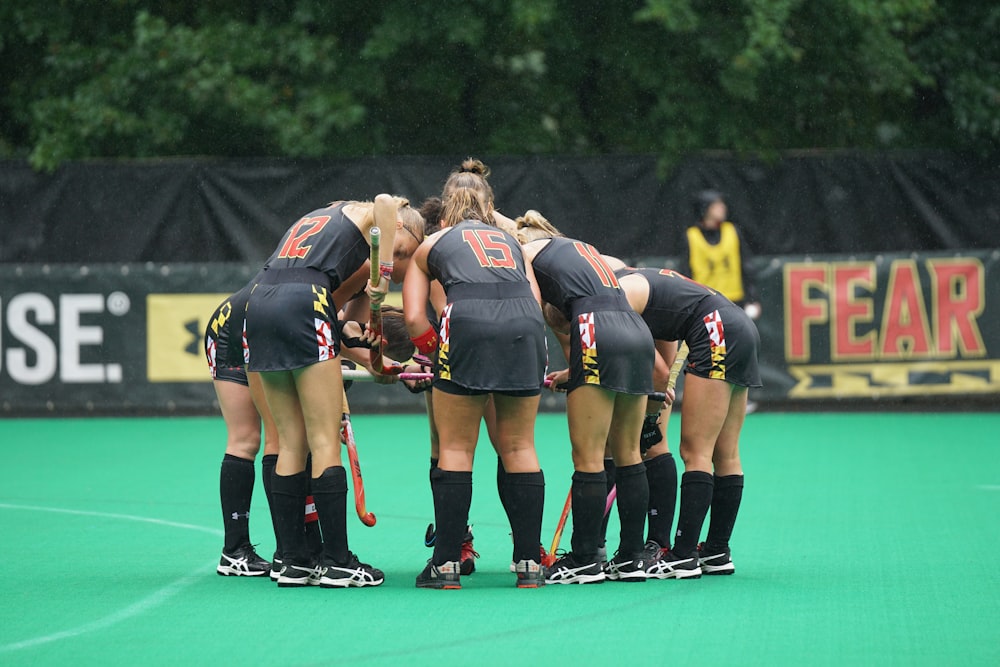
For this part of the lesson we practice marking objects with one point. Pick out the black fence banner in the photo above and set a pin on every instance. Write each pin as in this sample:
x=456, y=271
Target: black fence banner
x=209, y=210
x=127, y=338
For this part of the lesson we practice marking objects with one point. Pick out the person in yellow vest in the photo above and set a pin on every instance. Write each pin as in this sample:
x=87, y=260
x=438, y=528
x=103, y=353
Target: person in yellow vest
x=715, y=254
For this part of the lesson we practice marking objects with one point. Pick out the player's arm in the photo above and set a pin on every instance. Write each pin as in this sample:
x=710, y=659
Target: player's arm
x=416, y=292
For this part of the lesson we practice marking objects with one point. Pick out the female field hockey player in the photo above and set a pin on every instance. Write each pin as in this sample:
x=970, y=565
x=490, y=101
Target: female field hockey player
x=723, y=344
x=245, y=412
x=293, y=342
x=241, y=402
x=490, y=340
x=471, y=174
x=611, y=355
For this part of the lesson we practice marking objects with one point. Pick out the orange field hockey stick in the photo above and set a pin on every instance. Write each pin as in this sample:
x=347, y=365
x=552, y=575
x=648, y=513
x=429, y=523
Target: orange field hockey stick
x=347, y=436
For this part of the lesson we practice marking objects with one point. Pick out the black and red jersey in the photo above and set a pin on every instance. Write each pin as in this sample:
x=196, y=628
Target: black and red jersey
x=325, y=240
x=473, y=252
x=567, y=270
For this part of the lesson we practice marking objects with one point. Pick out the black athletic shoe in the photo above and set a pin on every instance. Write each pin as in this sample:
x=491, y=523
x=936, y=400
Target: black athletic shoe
x=715, y=561
x=244, y=562
x=567, y=570
x=624, y=568
x=444, y=576
x=294, y=576
x=469, y=555
x=670, y=566
x=352, y=574
x=530, y=574
x=276, y=566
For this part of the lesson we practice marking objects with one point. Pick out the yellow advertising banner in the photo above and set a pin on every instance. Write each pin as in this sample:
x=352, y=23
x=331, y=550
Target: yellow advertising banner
x=175, y=330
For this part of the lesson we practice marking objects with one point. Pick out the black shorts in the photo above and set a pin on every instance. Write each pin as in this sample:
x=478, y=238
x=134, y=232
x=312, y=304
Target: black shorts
x=289, y=325
x=491, y=345
x=611, y=349
x=723, y=345
x=449, y=387
x=224, y=340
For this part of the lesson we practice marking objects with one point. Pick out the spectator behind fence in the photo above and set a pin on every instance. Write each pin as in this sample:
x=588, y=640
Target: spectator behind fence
x=714, y=253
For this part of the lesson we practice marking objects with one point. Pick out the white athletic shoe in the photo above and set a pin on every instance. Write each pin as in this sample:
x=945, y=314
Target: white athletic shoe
x=353, y=574
x=567, y=570
x=623, y=568
x=244, y=562
x=292, y=576
x=716, y=561
x=670, y=566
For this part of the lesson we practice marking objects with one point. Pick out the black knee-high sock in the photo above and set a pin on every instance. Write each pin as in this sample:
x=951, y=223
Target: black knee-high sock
x=314, y=535
x=589, y=495
x=633, y=499
x=267, y=464
x=661, y=473
x=696, y=498
x=725, y=506
x=452, y=497
x=609, y=483
x=235, y=491
x=330, y=492
x=502, y=488
x=289, y=498
x=525, y=493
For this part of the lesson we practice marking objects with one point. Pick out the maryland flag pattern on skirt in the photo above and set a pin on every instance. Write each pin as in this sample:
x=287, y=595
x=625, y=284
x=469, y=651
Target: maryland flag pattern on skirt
x=588, y=348
x=717, y=342
x=325, y=347
x=444, y=336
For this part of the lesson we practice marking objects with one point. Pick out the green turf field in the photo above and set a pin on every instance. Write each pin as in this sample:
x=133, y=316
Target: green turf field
x=863, y=540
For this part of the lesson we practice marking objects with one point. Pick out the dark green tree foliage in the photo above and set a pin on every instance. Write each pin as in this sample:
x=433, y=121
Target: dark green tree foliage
x=132, y=78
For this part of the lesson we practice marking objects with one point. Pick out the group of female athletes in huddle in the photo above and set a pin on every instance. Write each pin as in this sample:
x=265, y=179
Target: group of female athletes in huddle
x=479, y=291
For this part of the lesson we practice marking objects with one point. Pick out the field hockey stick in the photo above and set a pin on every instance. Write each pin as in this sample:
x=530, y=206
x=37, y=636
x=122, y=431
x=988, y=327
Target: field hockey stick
x=359, y=375
x=675, y=369
x=550, y=557
x=375, y=314
x=347, y=435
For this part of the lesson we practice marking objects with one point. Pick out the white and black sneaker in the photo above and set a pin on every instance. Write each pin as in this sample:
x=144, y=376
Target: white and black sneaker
x=567, y=570
x=624, y=568
x=715, y=561
x=293, y=576
x=670, y=566
x=352, y=574
x=276, y=566
x=653, y=553
x=244, y=562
